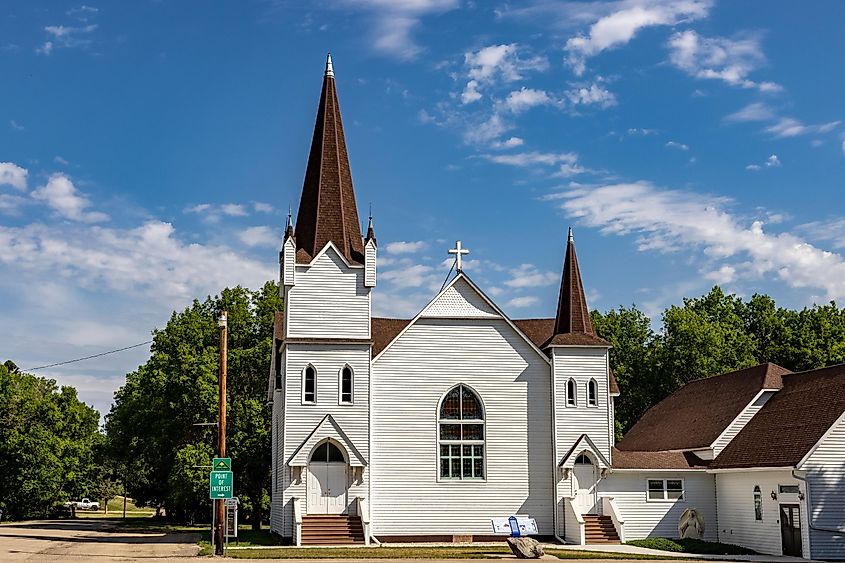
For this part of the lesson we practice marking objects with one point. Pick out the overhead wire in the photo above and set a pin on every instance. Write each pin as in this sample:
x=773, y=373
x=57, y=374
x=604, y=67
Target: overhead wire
x=101, y=354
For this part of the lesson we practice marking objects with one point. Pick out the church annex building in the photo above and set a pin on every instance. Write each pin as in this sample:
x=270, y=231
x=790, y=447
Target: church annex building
x=424, y=429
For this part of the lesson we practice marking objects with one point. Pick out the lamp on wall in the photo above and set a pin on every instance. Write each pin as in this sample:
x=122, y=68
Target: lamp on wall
x=774, y=495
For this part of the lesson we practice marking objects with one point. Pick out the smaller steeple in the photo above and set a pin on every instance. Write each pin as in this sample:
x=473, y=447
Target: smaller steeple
x=371, y=233
x=329, y=69
x=573, y=325
x=289, y=228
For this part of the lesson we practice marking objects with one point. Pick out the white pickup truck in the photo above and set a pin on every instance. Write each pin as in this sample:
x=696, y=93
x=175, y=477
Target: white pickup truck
x=83, y=504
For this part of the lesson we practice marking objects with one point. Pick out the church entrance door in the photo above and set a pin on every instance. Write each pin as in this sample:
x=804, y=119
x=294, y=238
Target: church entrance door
x=327, y=480
x=584, y=485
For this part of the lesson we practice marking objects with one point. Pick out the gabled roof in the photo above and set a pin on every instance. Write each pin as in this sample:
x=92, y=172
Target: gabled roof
x=573, y=326
x=790, y=423
x=696, y=414
x=327, y=210
x=327, y=428
x=582, y=444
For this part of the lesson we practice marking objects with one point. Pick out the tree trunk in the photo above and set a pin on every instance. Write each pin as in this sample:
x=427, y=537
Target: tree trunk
x=256, y=510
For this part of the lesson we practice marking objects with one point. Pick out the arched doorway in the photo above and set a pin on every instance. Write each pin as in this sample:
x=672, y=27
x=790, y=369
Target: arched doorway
x=584, y=485
x=328, y=480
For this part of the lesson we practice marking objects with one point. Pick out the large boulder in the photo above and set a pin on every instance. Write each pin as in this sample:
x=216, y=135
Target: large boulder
x=526, y=548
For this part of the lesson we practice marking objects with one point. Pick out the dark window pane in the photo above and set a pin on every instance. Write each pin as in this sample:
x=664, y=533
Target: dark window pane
x=674, y=485
x=310, y=385
x=444, y=450
x=473, y=431
x=570, y=392
x=321, y=453
x=478, y=469
x=456, y=451
x=592, y=392
x=467, y=451
x=451, y=408
x=450, y=431
x=471, y=405
x=444, y=467
x=346, y=398
x=346, y=385
x=467, y=467
x=655, y=485
x=455, y=467
x=478, y=451
x=334, y=453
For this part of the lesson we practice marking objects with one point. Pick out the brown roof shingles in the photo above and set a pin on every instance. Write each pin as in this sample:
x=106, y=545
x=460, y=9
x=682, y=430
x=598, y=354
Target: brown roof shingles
x=697, y=413
x=656, y=460
x=790, y=423
x=327, y=210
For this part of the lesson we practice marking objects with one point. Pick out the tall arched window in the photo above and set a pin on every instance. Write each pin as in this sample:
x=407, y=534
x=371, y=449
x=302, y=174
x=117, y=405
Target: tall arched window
x=593, y=393
x=461, y=435
x=309, y=384
x=345, y=386
x=571, y=393
x=758, y=503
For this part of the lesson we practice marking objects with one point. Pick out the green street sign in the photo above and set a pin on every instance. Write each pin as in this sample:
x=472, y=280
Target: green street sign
x=221, y=464
x=220, y=484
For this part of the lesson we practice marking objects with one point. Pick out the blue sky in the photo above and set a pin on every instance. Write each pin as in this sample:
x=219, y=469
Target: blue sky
x=150, y=151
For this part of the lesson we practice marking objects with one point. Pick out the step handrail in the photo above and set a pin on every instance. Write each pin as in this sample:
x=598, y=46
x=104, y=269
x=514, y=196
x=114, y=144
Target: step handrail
x=364, y=513
x=610, y=508
x=297, y=520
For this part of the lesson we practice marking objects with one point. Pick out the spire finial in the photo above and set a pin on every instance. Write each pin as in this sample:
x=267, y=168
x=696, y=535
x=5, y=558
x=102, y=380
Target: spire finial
x=329, y=69
x=371, y=233
x=569, y=236
x=289, y=227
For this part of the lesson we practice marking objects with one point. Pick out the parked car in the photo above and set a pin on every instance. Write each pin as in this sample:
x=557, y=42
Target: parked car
x=84, y=504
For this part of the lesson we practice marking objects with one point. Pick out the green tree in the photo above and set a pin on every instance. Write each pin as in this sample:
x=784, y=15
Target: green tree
x=150, y=429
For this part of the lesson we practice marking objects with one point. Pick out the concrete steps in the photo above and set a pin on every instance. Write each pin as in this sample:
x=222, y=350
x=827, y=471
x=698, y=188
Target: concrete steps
x=599, y=529
x=332, y=530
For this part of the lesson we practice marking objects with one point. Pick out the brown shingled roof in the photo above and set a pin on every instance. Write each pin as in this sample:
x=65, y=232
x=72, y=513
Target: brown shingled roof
x=656, y=460
x=383, y=331
x=573, y=316
x=790, y=423
x=327, y=210
x=696, y=414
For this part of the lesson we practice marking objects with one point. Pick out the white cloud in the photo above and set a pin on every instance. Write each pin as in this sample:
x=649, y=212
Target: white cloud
x=471, y=93
x=66, y=37
x=773, y=161
x=526, y=98
x=58, y=159
x=415, y=275
x=16, y=126
x=640, y=132
x=403, y=247
x=527, y=275
x=720, y=58
x=233, y=210
x=510, y=143
x=261, y=207
x=61, y=195
x=669, y=220
x=592, y=94
x=677, y=145
x=521, y=302
x=625, y=21
x=833, y=231
x=532, y=158
x=790, y=127
x=395, y=20
x=199, y=208
x=753, y=167
x=843, y=147
x=497, y=64
x=486, y=131
x=756, y=111
x=260, y=236
x=13, y=175
x=45, y=49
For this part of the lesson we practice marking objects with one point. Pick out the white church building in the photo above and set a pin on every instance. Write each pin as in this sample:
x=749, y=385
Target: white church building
x=425, y=429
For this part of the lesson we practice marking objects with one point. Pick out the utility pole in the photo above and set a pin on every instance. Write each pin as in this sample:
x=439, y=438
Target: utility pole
x=221, y=428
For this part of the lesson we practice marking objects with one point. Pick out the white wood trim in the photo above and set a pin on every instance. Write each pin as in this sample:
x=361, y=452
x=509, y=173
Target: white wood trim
x=302, y=397
x=737, y=417
x=339, y=253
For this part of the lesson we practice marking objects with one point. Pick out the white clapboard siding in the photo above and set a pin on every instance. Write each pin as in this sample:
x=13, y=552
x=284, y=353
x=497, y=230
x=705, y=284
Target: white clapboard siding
x=288, y=265
x=735, y=491
x=409, y=380
x=460, y=300
x=301, y=420
x=644, y=518
x=370, y=253
x=329, y=300
x=826, y=479
x=740, y=421
x=276, y=498
x=581, y=364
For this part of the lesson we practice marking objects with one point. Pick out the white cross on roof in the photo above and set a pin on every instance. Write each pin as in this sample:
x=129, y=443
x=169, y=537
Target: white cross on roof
x=459, y=252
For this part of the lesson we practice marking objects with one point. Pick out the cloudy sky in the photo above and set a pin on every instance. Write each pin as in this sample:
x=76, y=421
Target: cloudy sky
x=149, y=151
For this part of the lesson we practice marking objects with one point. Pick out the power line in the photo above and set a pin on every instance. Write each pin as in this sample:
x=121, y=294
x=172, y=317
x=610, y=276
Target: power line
x=90, y=357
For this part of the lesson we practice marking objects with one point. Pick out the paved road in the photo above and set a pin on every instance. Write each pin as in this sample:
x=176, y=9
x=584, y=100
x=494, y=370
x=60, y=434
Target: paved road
x=89, y=540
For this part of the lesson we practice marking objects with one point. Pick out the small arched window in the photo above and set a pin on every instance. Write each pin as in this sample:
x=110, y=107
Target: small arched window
x=327, y=452
x=571, y=393
x=593, y=393
x=583, y=459
x=461, y=435
x=346, y=385
x=758, y=503
x=309, y=384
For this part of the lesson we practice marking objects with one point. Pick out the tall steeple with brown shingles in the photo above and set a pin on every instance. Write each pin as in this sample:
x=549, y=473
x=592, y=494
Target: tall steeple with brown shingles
x=327, y=210
x=573, y=325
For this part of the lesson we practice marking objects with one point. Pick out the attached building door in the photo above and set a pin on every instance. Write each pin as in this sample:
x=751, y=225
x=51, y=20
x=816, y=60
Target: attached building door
x=790, y=529
x=327, y=480
x=584, y=485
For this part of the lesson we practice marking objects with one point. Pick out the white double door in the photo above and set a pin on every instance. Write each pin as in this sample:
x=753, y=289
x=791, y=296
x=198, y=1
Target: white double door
x=584, y=484
x=327, y=487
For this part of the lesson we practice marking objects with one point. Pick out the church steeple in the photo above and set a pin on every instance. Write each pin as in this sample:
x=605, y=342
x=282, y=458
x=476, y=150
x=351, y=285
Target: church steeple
x=327, y=210
x=573, y=325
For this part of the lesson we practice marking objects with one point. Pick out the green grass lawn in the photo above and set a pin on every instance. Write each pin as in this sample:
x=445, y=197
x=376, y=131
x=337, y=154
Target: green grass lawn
x=692, y=546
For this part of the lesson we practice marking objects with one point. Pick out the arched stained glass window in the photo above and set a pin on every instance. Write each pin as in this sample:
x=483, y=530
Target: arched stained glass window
x=461, y=435
x=758, y=503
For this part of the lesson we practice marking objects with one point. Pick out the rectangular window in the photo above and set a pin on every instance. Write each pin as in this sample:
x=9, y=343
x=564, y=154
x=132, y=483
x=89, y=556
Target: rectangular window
x=788, y=489
x=665, y=489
